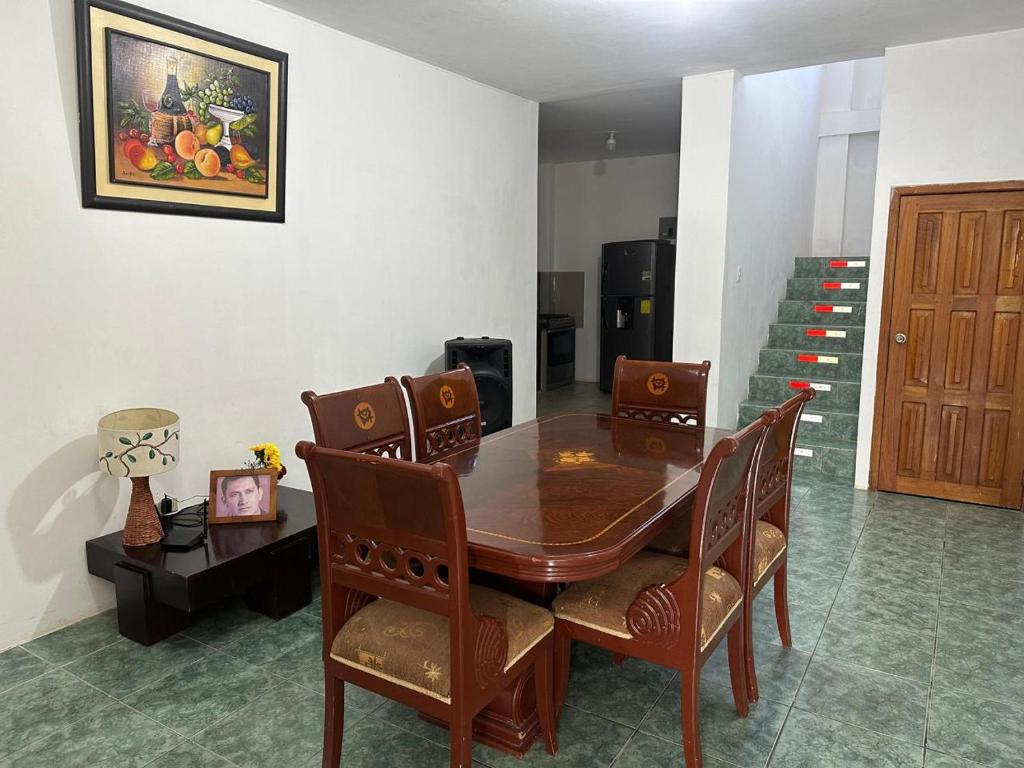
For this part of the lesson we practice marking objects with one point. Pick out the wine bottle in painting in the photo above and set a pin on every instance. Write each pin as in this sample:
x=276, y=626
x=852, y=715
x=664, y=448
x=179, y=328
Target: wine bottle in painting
x=170, y=100
x=171, y=117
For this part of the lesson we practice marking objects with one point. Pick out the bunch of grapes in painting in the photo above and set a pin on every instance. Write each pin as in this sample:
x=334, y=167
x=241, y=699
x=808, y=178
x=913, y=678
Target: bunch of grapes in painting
x=243, y=104
x=215, y=89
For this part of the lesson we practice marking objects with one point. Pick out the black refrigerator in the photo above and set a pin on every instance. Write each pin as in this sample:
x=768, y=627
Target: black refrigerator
x=638, y=281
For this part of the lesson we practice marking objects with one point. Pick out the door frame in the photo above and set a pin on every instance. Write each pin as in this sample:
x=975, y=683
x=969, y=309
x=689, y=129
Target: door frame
x=884, y=325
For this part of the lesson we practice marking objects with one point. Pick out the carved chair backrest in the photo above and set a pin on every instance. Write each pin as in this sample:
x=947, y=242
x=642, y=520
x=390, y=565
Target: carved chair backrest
x=674, y=393
x=724, y=492
x=445, y=412
x=671, y=615
x=369, y=419
x=773, y=473
x=397, y=530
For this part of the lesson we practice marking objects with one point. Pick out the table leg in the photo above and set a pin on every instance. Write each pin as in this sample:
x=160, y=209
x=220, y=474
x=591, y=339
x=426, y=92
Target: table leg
x=288, y=586
x=510, y=722
x=140, y=617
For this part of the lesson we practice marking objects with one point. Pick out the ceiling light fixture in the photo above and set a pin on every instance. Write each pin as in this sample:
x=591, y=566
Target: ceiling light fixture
x=610, y=142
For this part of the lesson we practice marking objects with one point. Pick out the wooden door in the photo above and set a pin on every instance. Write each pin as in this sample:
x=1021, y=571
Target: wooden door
x=953, y=413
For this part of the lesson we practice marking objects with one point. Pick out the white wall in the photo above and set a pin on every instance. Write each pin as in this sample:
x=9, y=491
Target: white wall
x=746, y=206
x=851, y=94
x=412, y=203
x=771, y=215
x=596, y=202
x=546, y=217
x=951, y=112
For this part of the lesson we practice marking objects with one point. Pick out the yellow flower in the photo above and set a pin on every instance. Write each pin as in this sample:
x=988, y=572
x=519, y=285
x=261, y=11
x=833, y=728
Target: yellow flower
x=268, y=453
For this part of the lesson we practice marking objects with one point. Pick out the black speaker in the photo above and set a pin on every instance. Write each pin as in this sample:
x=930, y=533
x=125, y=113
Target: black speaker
x=491, y=363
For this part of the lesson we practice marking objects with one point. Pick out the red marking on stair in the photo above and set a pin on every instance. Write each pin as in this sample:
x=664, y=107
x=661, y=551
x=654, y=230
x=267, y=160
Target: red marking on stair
x=822, y=307
x=831, y=286
x=807, y=358
x=799, y=384
x=815, y=331
x=840, y=264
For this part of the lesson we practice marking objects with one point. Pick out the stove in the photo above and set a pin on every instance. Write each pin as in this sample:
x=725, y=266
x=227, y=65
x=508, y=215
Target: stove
x=556, y=351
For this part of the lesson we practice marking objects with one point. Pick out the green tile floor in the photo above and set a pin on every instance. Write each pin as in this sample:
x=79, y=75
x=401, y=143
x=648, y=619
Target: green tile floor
x=908, y=651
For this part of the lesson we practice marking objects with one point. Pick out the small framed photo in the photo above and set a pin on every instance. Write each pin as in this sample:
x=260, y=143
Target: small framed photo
x=243, y=495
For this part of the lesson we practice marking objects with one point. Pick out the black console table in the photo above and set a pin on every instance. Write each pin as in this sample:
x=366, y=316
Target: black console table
x=158, y=590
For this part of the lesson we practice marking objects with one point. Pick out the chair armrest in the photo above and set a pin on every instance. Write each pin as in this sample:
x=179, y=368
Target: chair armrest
x=654, y=617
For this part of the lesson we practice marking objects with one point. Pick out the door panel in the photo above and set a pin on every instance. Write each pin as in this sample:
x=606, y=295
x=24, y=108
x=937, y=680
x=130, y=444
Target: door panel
x=927, y=253
x=919, y=347
x=951, y=425
x=951, y=443
x=959, y=346
x=970, y=246
x=1012, y=251
x=911, y=439
x=1003, y=359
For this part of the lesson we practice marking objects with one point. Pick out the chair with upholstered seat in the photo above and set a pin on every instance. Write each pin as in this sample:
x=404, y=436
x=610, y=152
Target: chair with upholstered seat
x=399, y=615
x=768, y=529
x=369, y=419
x=445, y=412
x=673, y=611
x=673, y=393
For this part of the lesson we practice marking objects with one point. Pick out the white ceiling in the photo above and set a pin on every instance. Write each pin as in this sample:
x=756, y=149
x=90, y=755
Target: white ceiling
x=645, y=121
x=552, y=50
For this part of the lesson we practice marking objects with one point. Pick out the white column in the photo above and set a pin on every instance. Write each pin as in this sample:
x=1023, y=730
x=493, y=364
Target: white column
x=704, y=150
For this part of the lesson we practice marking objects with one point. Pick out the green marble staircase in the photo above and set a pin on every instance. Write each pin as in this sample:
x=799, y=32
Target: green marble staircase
x=817, y=341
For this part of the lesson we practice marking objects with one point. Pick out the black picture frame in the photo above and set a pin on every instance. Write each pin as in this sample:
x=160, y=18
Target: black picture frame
x=91, y=197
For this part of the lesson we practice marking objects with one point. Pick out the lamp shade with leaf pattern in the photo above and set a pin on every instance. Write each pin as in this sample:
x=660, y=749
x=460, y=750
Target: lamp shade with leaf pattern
x=138, y=443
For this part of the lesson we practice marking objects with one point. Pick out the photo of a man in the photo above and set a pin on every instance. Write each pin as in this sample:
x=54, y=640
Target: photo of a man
x=242, y=495
x=239, y=498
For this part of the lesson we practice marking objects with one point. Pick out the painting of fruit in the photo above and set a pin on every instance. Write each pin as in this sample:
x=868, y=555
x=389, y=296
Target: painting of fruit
x=200, y=123
x=180, y=105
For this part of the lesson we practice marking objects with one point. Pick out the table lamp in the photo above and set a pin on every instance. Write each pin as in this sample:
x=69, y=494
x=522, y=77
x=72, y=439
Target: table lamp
x=137, y=443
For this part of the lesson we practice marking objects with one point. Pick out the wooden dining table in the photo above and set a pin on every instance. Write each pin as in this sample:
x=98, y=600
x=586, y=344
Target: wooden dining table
x=562, y=499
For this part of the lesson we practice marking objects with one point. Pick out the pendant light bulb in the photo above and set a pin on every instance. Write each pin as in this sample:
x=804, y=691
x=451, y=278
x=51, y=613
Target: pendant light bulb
x=610, y=142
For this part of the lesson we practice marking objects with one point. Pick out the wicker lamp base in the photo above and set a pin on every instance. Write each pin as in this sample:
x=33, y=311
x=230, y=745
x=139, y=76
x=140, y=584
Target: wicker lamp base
x=143, y=524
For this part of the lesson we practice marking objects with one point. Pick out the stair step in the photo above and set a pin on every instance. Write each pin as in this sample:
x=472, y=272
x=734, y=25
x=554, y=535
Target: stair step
x=829, y=396
x=814, y=424
x=803, y=364
x=826, y=289
x=805, y=313
x=814, y=266
x=828, y=457
x=785, y=336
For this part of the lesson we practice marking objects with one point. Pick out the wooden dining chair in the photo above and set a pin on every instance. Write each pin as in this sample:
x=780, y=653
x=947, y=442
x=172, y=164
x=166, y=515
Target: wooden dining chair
x=369, y=419
x=674, y=393
x=768, y=529
x=400, y=617
x=669, y=610
x=445, y=412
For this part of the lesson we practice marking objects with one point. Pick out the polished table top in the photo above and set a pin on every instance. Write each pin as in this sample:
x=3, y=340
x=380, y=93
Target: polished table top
x=572, y=497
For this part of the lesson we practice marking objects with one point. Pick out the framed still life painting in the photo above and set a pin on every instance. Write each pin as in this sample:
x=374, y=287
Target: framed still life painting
x=177, y=118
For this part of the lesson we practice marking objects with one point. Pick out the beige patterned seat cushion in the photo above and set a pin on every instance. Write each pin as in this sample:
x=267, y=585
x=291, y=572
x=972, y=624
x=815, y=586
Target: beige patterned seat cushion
x=410, y=646
x=602, y=603
x=769, y=544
